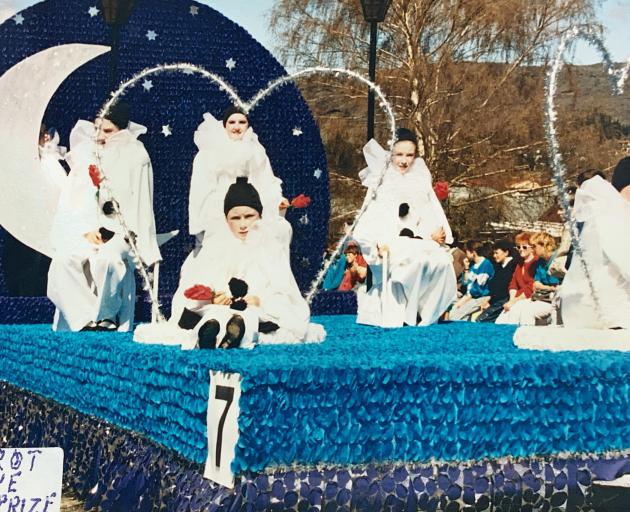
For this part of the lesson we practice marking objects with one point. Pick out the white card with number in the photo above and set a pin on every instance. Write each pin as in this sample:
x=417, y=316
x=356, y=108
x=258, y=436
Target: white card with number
x=223, y=411
x=30, y=479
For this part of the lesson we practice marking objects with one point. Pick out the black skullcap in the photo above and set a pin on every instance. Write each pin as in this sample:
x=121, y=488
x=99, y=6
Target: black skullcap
x=242, y=193
x=119, y=114
x=406, y=134
x=621, y=174
x=231, y=111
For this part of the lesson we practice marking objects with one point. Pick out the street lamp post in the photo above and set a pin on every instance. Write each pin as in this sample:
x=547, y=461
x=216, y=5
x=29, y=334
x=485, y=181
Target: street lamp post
x=374, y=11
x=116, y=14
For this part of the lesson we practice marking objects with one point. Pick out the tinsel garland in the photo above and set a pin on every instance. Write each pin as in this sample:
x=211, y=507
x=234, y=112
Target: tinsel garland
x=248, y=106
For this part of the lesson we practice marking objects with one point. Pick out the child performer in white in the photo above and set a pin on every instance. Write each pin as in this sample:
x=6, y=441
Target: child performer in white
x=91, y=280
x=239, y=289
x=405, y=220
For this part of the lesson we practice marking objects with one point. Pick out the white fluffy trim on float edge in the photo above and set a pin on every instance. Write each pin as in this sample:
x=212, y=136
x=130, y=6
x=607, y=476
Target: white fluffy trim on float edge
x=166, y=333
x=557, y=339
x=163, y=333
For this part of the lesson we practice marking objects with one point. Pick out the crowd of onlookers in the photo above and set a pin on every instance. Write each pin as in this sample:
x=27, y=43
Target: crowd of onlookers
x=509, y=282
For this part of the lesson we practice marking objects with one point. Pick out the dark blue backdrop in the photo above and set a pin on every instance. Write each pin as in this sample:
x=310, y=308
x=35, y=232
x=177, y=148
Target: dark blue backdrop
x=207, y=39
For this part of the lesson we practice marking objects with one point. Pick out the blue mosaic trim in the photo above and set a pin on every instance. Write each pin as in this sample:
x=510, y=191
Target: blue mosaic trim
x=450, y=392
x=116, y=470
x=207, y=39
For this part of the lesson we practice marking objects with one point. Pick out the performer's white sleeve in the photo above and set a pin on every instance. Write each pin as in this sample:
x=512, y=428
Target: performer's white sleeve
x=202, y=184
x=144, y=215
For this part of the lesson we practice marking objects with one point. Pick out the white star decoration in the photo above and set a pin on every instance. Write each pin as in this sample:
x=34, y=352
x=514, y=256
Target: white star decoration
x=230, y=63
x=317, y=173
x=194, y=10
x=147, y=85
x=151, y=35
x=304, y=220
x=305, y=262
x=93, y=11
x=19, y=19
x=166, y=130
x=297, y=131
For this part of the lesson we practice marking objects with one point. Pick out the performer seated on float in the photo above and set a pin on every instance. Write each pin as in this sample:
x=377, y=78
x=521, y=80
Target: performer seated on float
x=403, y=219
x=91, y=280
x=239, y=289
x=229, y=149
x=602, y=207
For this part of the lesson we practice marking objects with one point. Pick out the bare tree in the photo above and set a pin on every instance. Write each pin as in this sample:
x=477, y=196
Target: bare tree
x=466, y=75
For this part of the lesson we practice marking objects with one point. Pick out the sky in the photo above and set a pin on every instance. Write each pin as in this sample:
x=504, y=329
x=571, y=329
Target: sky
x=253, y=15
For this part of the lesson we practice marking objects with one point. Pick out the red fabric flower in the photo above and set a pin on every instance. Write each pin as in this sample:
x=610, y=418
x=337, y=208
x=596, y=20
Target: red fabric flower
x=95, y=175
x=301, y=201
x=199, y=292
x=441, y=190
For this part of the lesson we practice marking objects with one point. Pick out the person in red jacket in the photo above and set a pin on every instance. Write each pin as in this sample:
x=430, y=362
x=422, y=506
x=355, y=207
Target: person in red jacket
x=522, y=283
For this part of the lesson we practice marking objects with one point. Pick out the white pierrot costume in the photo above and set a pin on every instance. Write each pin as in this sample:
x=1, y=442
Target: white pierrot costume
x=607, y=253
x=259, y=260
x=89, y=282
x=420, y=280
x=216, y=166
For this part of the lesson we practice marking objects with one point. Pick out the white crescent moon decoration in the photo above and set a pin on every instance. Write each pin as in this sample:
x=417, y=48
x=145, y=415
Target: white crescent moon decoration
x=28, y=200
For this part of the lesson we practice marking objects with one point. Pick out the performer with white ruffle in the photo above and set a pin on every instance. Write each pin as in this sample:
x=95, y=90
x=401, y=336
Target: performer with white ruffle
x=91, y=278
x=239, y=289
x=229, y=149
x=602, y=208
x=405, y=222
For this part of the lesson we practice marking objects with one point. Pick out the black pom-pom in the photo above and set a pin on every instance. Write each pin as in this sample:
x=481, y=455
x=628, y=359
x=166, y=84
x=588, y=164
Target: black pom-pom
x=403, y=210
x=239, y=305
x=238, y=287
x=266, y=326
x=406, y=232
x=108, y=208
x=106, y=234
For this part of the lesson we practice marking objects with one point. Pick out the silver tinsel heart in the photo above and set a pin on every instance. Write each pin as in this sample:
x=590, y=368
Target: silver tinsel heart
x=248, y=107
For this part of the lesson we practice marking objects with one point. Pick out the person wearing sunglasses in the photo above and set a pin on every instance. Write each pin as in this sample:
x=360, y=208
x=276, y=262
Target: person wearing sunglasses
x=521, y=286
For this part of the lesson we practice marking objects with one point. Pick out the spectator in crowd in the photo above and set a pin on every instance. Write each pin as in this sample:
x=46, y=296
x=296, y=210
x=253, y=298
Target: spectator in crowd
x=475, y=278
x=537, y=308
x=499, y=284
x=356, y=268
x=522, y=283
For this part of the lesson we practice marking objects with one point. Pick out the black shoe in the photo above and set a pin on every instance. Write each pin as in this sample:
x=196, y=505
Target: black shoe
x=90, y=326
x=189, y=319
x=234, y=332
x=207, y=336
x=106, y=326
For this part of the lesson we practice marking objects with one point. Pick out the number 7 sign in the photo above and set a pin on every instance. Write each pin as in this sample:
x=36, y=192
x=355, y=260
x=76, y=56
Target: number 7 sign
x=223, y=411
